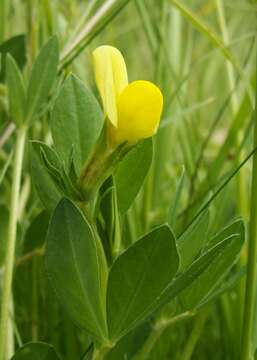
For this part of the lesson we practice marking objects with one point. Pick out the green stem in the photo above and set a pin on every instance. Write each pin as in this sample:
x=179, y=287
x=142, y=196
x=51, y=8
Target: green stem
x=10, y=332
x=99, y=354
x=157, y=331
x=194, y=336
x=149, y=344
x=11, y=241
x=246, y=350
x=117, y=243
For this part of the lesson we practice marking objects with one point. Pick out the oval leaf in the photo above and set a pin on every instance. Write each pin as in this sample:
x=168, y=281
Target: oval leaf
x=16, y=91
x=48, y=192
x=75, y=267
x=77, y=121
x=131, y=173
x=42, y=78
x=138, y=277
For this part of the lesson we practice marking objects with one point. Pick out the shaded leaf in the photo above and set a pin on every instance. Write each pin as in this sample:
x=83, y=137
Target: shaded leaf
x=75, y=266
x=17, y=48
x=36, y=351
x=36, y=233
x=16, y=91
x=48, y=192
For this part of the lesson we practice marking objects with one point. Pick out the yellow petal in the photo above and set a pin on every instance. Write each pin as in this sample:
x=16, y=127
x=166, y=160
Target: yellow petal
x=139, y=111
x=111, y=78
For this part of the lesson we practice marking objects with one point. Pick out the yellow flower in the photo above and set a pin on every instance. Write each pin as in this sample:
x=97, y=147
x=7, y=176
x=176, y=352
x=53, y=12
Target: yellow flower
x=134, y=109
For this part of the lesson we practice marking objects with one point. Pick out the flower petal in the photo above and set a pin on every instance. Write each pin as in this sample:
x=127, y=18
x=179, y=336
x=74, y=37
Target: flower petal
x=111, y=78
x=139, y=111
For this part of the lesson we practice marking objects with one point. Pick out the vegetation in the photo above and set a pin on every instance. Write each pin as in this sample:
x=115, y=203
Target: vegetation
x=128, y=176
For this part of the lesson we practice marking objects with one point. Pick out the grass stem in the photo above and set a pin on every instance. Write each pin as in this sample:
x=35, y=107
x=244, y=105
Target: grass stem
x=195, y=335
x=251, y=278
x=11, y=241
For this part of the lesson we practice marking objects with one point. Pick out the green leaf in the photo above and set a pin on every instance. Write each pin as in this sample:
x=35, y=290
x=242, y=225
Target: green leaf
x=48, y=192
x=137, y=278
x=213, y=274
x=16, y=91
x=131, y=173
x=36, y=233
x=17, y=48
x=192, y=240
x=36, y=351
x=76, y=267
x=77, y=121
x=130, y=344
x=192, y=275
x=235, y=228
x=42, y=78
x=227, y=285
x=51, y=160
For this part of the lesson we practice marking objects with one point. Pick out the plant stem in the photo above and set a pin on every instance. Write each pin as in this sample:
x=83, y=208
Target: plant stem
x=194, y=336
x=100, y=353
x=117, y=243
x=157, y=331
x=10, y=331
x=251, y=278
x=11, y=241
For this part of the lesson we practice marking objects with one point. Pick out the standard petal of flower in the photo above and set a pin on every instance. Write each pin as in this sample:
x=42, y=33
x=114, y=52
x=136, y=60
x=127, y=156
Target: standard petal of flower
x=139, y=111
x=111, y=78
